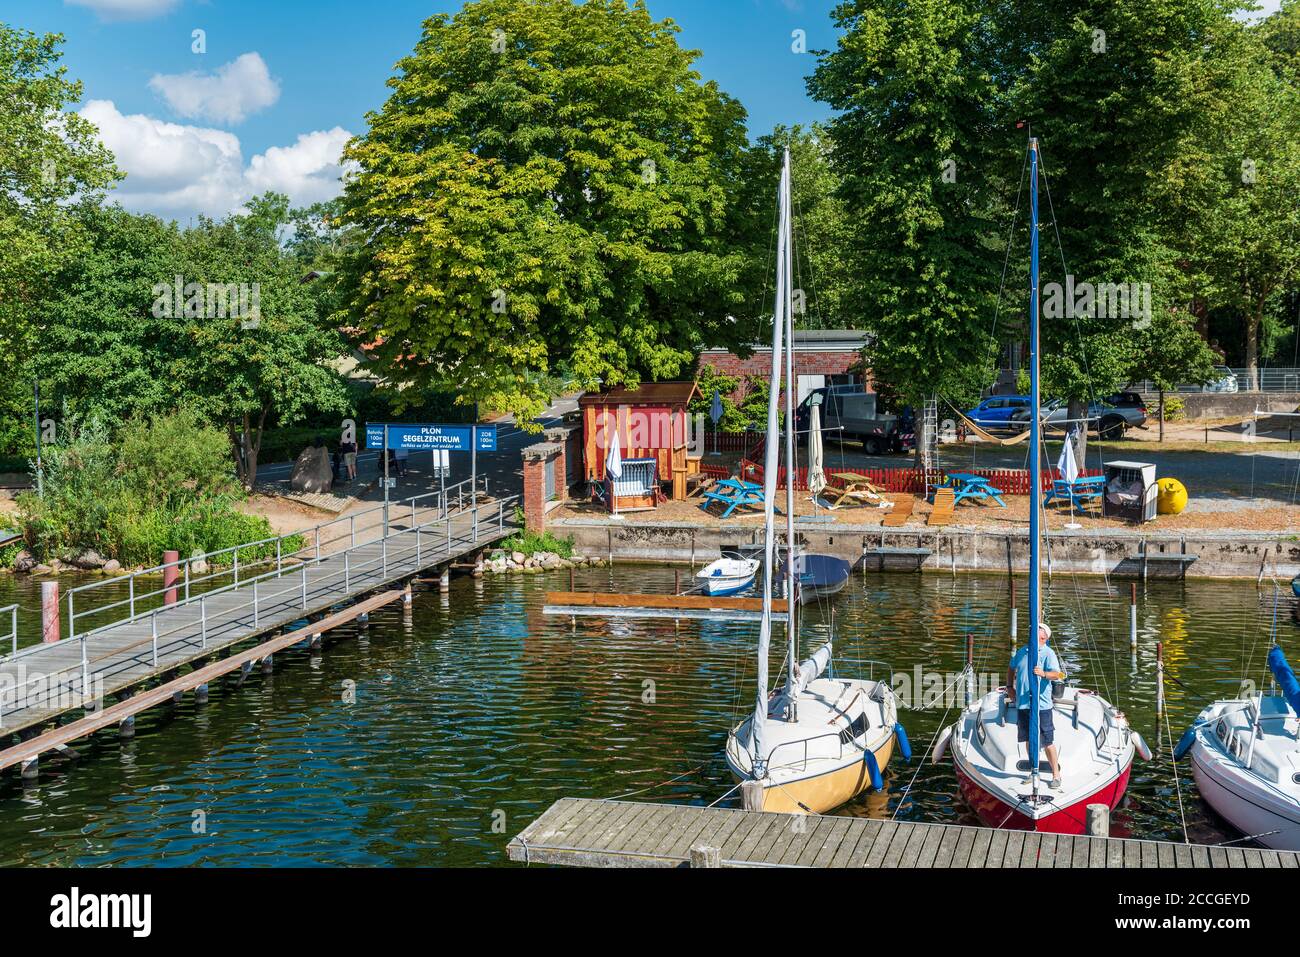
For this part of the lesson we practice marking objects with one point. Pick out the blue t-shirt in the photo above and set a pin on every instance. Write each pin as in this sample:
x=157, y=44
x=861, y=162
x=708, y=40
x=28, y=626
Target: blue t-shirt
x=1048, y=661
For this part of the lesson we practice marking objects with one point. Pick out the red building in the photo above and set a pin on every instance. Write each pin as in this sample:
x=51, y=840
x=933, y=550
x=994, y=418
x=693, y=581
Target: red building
x=821, y=357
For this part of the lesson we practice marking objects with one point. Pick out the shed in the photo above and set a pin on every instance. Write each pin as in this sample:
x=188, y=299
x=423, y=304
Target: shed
x=652, y=423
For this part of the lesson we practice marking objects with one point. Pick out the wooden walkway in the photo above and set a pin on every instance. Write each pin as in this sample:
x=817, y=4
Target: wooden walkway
x=45, y=682
x=596, y=833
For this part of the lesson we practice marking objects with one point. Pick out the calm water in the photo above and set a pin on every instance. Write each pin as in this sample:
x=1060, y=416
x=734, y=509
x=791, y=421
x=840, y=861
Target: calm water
x=474, y=713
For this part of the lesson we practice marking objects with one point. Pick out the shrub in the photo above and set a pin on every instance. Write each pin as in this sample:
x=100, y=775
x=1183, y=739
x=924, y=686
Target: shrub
x=1174, y=408
x=530, y=543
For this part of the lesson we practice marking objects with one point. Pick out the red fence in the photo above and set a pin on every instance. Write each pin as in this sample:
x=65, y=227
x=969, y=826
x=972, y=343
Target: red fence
x=732, y=441
x=902, y=480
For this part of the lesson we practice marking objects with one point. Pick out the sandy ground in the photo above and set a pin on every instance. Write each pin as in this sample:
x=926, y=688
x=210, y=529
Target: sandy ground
x=285, y=516
x=1202, y=515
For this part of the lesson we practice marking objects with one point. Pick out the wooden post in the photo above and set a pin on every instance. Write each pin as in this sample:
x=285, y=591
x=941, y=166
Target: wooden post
x=1160, y=677
x=315, y=641
x=126, y=728
x=171, y=574
x=444, y=580
x=751, y=795
x=1098, y=820
x=201, y=694
x=1133, y=614
x=49, y=612
x=406, y=594
x=268, y=663
x=702, y=855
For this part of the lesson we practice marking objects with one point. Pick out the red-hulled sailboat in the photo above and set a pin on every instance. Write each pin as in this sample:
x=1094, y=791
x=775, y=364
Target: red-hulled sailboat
x=1095, y=744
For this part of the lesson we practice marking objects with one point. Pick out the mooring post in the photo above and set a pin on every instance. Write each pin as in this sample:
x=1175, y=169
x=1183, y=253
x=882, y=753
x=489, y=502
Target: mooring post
x=751, y=795
x=1160, y=677
x=702, y=855
x=1132, y=614
x=49, y=612
x=171, y=574
x=268, y=664
x=1099, y=820
x=444, y=579
x=478, y=564
x=406, y=594
x=31, y=769
x=316, y=640
x=201, y=694
x=126, y=728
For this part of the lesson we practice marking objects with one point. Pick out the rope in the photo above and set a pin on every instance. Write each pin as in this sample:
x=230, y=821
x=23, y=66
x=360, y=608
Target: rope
x=619, y=797
x=1178, y=787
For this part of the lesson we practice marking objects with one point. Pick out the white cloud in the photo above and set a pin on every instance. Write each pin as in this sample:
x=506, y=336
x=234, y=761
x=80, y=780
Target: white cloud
x=238, y=88
x=126, y=9
x=177, y=170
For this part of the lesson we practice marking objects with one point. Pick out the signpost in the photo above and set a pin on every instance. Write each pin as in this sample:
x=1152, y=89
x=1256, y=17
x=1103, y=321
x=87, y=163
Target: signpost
x=432, y=438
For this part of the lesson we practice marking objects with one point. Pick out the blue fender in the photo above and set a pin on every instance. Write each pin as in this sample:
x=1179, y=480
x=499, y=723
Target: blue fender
x=873, y=768
x=904, y=746
x=1185, y=743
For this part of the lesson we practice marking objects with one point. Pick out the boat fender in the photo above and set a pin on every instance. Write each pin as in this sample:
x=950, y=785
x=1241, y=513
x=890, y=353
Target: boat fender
x=1140, y=743
x=1185, y=743
x=873, y=769
x=941, y=746
x=904, y=746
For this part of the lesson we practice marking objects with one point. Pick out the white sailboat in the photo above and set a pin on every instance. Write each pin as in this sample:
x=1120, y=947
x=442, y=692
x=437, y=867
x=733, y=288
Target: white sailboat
x=818, y=740
x=1000, y=776
x=1245, y=755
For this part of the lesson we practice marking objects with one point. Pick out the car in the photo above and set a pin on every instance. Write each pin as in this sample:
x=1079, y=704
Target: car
x=1225, y=380
x=1107, y=420
x=1127, y=400
x=997, y=411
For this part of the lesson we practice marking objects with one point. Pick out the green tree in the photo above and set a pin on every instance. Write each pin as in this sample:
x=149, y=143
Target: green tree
x=911, y=144
x=548, y=183
x=1170, y=351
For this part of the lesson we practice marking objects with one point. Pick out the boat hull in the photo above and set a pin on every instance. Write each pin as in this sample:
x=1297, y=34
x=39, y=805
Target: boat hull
x=1253, y=810
x=825, y=791
x=1070, y=819
x=727, y=586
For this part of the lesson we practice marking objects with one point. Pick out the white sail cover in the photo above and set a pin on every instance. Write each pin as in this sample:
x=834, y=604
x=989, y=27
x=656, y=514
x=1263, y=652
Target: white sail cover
x=811, y=668
x=614, y=458
x=1066, y=464
x=771, y=462
x=816, y=476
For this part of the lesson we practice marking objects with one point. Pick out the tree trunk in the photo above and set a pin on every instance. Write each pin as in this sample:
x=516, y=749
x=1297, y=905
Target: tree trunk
x=1252, y=350
x=1161, y=408
x=1076, y=412
x=253, y=447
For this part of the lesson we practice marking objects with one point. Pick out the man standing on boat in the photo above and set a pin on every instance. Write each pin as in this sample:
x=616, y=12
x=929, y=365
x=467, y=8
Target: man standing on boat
x=1048, y=670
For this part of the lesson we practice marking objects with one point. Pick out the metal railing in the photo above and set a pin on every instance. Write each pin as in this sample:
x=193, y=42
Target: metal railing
x=75, y=680
x=1279, y=379
x=12, y=611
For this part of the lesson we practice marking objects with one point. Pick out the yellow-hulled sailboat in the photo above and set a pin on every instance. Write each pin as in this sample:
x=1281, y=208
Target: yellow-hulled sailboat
x=818, y=740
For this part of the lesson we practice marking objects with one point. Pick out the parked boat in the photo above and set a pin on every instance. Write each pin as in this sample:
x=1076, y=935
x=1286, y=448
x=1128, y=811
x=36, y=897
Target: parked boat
x=817, y=741
x=727, y=576
x=819, y=576
x=1000, y=777
x=1245, y=755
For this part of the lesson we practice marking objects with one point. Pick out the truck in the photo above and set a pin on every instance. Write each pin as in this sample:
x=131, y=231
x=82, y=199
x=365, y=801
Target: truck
x=853, y=416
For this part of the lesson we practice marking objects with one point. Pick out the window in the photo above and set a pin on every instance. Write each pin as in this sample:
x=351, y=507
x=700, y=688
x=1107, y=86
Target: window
x=856, y=730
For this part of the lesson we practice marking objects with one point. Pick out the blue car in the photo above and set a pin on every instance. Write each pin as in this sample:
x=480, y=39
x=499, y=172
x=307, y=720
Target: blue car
x=996, y=411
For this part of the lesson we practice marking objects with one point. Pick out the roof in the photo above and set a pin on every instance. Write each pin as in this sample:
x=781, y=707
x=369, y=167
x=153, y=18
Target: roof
x=814, y=340
x=648, y=393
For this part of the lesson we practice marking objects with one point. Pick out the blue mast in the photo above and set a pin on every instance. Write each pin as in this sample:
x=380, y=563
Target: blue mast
x=1035, y=466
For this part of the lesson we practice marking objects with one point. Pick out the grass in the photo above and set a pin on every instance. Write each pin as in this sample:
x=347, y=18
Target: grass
x=530, y=543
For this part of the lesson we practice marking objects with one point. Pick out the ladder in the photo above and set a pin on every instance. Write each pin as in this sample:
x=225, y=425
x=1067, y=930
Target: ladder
x=928, y=449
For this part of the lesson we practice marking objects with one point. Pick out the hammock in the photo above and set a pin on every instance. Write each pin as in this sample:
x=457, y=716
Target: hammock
x=1014, y=440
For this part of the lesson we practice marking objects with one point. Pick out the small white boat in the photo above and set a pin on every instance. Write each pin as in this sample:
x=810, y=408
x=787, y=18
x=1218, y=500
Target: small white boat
x=1245, y=756
x=727, y=576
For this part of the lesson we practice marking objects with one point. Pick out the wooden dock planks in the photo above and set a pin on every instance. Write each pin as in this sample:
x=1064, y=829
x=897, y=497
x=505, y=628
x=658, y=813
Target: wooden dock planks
x=596, y=833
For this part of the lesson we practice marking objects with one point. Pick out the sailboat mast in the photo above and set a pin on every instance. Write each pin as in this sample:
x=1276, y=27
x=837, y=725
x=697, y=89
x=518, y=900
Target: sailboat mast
x=791, y=625
x=1035, y=466
x=771, y=462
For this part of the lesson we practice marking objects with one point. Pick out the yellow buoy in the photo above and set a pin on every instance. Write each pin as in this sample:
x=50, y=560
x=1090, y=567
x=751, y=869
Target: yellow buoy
x=1172, y=497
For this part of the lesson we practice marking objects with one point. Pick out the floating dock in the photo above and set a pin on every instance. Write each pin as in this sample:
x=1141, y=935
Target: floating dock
x=576, y=604
x=53, y=693
x=595, y=833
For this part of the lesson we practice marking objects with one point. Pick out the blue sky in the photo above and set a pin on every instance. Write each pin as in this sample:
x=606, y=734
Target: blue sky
x=283, y=82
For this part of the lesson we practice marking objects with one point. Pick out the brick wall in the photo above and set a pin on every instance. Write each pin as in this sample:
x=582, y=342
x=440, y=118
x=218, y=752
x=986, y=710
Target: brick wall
x=831, y=362
x=536, y=459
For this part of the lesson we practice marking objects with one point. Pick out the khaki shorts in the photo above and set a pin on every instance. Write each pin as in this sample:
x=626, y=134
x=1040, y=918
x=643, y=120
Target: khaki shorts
x=350, y=459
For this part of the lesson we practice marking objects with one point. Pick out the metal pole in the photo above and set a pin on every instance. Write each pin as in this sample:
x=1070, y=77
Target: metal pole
x=1035, y=470
x=85, y=668
x=203, y=619
x=153, y=621
x=131, y=583
x=385, y=479
x=304, y=586
x=1133, y=615
x=473, y=463
x=347, y=571
x=442, y=482
x=255, y=617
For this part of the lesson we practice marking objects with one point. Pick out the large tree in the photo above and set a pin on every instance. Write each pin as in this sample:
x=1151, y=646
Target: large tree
x=548, y=185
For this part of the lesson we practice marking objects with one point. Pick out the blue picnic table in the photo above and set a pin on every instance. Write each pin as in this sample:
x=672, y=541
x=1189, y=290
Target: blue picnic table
x=1079, y=492
x=964, y=486
x=734, y=493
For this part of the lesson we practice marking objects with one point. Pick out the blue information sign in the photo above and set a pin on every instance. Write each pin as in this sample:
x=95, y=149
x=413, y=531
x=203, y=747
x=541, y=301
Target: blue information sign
x=416, y=438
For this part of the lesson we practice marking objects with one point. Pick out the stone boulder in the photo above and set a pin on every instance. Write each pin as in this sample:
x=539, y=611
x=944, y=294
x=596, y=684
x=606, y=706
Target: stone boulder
x=86, y=559
x=111, y=567
x=24, y=561
x=312, y=471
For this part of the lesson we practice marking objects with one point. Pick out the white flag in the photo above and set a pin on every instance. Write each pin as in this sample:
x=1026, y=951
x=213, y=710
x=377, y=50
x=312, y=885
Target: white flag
x=1066, y=464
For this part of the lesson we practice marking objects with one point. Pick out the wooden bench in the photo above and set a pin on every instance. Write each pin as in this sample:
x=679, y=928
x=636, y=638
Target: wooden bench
x=945, y=500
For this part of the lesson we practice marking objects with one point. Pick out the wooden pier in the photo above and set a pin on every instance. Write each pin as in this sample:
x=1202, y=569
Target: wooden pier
x=176, y=634
x=573, y=604
x=595, y=833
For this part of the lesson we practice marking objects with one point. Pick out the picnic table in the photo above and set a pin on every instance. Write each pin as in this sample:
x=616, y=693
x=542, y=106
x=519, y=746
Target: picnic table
x=734, y=493
x=964, y=486
x=1080, y=492
x=855, y=487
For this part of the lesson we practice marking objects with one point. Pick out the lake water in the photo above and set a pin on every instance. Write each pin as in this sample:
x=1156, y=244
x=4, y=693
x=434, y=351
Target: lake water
x=475, y=711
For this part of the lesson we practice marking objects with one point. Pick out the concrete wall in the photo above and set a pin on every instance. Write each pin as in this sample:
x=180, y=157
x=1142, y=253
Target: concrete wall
x=1117, y=553
x=1216, y=405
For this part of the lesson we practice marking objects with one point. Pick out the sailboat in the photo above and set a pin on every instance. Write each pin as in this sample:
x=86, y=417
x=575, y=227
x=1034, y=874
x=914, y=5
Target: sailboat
x=1000, y=777
x=818, y=740
x=1245, y=755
